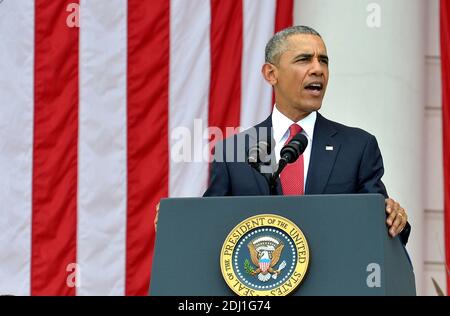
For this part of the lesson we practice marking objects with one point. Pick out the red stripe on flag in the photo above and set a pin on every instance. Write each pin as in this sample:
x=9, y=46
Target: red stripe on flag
x=445, y=57
x=54, y=219
x=284, y=17
x=148, y=147
x=226, y=60
x=285, y=14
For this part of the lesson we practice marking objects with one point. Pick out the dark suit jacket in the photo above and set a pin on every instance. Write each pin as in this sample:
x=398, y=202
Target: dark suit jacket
x=354, y=165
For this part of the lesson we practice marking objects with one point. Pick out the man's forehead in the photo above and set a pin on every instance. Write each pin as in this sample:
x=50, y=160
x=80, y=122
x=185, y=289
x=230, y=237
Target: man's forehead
x=306, y=43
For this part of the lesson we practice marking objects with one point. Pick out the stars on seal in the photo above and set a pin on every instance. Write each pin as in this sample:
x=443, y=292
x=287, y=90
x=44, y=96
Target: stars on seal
x=265, y=244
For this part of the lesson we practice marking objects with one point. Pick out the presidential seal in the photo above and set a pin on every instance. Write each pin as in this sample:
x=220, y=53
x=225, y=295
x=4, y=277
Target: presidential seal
x=264, y=255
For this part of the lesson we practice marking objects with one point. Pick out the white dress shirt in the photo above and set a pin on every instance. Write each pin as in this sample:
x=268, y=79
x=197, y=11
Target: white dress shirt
x=281, y=124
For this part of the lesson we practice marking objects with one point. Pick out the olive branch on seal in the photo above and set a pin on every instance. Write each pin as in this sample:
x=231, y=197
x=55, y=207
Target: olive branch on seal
x=248, y=267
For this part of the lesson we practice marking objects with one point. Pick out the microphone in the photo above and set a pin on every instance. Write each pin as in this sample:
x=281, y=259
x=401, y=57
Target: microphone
x=290, y=153
x=292, y=150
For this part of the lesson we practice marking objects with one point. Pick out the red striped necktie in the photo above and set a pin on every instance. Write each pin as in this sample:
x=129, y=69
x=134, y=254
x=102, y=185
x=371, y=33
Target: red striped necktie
x=292, y=177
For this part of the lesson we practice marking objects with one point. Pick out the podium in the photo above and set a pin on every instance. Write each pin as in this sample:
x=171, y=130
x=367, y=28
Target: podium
x=351, y=252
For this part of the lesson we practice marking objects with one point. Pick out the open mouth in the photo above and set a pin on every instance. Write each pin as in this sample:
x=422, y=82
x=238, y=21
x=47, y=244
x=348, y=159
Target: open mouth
x=315, y=86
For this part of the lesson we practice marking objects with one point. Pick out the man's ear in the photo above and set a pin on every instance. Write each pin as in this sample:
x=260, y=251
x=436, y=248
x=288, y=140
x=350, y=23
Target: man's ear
x=270, y=73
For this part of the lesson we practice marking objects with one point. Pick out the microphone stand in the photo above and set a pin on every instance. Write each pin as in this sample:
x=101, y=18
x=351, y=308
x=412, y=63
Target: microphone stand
x=274, y=177
x=267, y=176
x=271, y=178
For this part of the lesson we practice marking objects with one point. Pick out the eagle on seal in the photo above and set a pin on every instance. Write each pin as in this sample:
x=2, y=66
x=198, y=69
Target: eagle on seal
x=265, y=258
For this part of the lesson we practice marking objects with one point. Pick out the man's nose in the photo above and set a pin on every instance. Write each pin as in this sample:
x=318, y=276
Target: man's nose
x=316, y=68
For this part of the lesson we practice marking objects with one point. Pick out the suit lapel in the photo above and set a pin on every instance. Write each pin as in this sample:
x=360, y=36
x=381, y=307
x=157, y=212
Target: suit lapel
x=323, y=156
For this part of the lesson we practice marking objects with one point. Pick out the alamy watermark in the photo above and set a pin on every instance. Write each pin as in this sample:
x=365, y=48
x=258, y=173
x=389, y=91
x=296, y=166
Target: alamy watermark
x=200, y=143
x=373, y=279
x=73, y=19
x=373, y=20
x=74, y=277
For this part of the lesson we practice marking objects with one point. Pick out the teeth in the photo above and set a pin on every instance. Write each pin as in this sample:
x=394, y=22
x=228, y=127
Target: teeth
x=314, y=86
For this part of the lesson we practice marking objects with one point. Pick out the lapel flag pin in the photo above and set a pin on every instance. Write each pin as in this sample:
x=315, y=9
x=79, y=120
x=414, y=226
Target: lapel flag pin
x=329, y=148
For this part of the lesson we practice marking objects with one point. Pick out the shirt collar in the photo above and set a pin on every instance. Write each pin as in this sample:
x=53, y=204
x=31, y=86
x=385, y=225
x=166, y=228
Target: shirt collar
x=281, y=124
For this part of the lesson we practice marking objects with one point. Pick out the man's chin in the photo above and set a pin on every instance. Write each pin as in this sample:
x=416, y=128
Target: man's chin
x=310, y=108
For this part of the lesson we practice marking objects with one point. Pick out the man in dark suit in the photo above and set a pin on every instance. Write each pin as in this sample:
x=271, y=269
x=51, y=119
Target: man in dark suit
x=337, y=160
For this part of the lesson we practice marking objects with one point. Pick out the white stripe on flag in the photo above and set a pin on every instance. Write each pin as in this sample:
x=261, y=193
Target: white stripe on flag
x=16, y=143
x=259, y=25
x=102, y=157
x=189, y=92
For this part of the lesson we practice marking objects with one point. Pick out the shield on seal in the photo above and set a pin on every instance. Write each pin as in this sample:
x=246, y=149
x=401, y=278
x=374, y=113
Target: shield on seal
x=264, y=264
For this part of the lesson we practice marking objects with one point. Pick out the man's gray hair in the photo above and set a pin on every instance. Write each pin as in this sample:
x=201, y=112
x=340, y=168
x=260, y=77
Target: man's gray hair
x=276, y=45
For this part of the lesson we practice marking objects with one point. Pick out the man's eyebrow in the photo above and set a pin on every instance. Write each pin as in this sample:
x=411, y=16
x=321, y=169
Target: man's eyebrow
x=304, y=55
x=308, y=55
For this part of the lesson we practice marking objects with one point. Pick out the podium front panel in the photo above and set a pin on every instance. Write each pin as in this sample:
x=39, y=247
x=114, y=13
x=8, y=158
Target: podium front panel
x=346, y=234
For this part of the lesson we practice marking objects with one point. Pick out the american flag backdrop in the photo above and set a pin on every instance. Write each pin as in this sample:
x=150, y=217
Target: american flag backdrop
x=91, y=94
